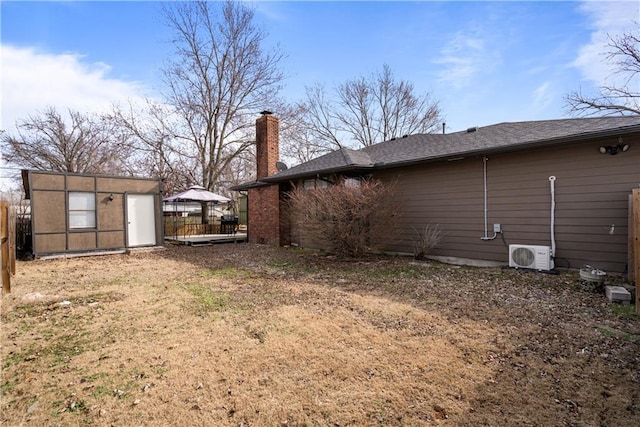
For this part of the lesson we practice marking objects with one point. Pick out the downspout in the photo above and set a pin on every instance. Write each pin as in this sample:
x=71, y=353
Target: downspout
x=552, y=183
x=486, y=208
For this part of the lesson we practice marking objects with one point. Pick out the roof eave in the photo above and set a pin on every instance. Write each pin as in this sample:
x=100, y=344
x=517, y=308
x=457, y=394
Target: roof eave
x=248, y=185
x=516, y=147
x=328, y=171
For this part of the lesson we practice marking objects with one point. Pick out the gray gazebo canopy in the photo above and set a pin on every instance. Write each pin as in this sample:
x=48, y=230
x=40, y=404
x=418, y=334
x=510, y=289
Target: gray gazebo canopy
x=197, y=193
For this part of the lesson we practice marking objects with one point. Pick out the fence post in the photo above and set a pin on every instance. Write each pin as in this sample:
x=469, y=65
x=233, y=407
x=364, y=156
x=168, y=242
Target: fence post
x=12, y=238
x=5, y=253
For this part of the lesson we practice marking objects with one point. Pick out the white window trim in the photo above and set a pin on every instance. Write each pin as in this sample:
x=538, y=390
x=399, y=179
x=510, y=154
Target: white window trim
x=82, y=210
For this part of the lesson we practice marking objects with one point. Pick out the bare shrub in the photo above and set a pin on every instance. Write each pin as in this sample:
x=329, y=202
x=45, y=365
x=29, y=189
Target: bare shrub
x=348, y=220
x=427, y=239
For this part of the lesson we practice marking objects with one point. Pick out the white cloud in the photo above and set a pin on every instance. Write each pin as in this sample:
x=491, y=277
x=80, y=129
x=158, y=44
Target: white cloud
x=605, y=18
x=32, y=81
x=463, y=58
x=272, y=11
x=543, y=97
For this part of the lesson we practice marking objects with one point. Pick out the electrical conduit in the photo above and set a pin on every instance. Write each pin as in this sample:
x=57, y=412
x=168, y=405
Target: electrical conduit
x=552, y=183
x=486, y=208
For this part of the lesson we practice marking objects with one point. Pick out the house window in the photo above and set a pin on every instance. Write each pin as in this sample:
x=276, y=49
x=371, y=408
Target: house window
x=82, y=210
x=311, y=184
x=352, y=183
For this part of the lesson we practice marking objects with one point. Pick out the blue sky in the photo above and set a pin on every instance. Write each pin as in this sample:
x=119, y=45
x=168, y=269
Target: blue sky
x=485, y=62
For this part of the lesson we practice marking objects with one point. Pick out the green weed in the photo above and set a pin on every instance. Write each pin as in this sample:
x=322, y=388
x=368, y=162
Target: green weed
x=97, y=376
x=6, y=387
x=101, y=391
x=31, y=310
x=64, y=347
x=625, y=310
x=160, y=371
x=59, y=350
x=616, y=333
x=11, y=359
x=207, y=300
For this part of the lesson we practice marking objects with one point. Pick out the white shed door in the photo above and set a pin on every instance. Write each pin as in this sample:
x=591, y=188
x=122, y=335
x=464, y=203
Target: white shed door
x=141, y=227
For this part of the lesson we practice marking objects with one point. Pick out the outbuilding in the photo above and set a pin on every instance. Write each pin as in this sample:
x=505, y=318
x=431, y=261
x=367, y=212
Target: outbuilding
x=82, y=213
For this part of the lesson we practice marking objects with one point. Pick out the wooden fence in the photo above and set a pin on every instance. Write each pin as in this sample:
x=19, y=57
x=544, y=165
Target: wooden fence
x=8, y=234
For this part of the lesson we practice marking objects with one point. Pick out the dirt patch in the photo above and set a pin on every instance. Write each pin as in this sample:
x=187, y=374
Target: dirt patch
x=252, y=335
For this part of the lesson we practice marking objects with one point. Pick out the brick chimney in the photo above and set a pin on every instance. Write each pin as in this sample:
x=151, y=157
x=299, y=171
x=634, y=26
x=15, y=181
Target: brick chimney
x=267, y=141
x=264, y=201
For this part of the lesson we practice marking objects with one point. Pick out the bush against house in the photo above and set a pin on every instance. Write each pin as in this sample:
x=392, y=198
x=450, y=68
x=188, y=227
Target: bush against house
x=426, y=240
x=349, y=219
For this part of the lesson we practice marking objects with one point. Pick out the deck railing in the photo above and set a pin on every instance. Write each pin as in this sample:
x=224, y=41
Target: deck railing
x=192, y=226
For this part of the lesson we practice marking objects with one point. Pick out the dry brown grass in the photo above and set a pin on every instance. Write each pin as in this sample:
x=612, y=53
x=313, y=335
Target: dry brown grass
x=251, y=335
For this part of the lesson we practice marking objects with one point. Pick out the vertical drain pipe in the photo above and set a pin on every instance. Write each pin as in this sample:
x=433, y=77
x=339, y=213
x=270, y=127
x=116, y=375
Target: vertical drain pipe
x=552, y=183
x=484, y=183
x=486, y=208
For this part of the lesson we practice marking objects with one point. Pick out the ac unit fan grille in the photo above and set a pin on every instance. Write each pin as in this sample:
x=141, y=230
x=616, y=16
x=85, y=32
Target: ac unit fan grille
x=523, y=256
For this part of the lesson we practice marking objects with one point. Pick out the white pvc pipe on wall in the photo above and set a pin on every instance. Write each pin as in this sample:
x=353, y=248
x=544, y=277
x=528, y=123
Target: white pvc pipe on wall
x=486, y=207
x=552, y=183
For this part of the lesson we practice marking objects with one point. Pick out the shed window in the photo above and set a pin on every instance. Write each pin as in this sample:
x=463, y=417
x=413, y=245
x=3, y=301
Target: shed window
x=82, y=210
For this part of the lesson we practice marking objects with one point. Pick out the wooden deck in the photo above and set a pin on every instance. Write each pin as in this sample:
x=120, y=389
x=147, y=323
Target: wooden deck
x=207, y=239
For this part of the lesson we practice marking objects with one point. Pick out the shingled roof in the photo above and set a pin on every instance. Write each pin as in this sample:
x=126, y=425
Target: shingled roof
x=475, y=141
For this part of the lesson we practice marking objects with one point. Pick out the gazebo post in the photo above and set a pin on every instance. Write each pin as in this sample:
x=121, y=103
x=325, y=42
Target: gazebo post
x=175, y=220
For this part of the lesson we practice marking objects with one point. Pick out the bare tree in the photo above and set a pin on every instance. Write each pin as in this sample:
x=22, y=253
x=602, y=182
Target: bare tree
x=241, y=169
x=156, y=153
x=369, y=110
x=614, y=99
x=79, y=143
x=320, y=118
x=220, y=79
x=298, y=143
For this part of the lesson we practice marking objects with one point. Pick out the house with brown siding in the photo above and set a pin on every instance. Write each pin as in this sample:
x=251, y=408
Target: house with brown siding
x=563, y=184
x=85, y=214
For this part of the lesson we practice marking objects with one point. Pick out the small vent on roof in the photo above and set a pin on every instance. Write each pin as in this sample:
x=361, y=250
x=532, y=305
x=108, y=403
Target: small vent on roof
x=473, y=129
x=404, y=136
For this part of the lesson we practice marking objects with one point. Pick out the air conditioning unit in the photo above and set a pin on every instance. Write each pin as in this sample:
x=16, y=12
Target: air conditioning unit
x=530, y=256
